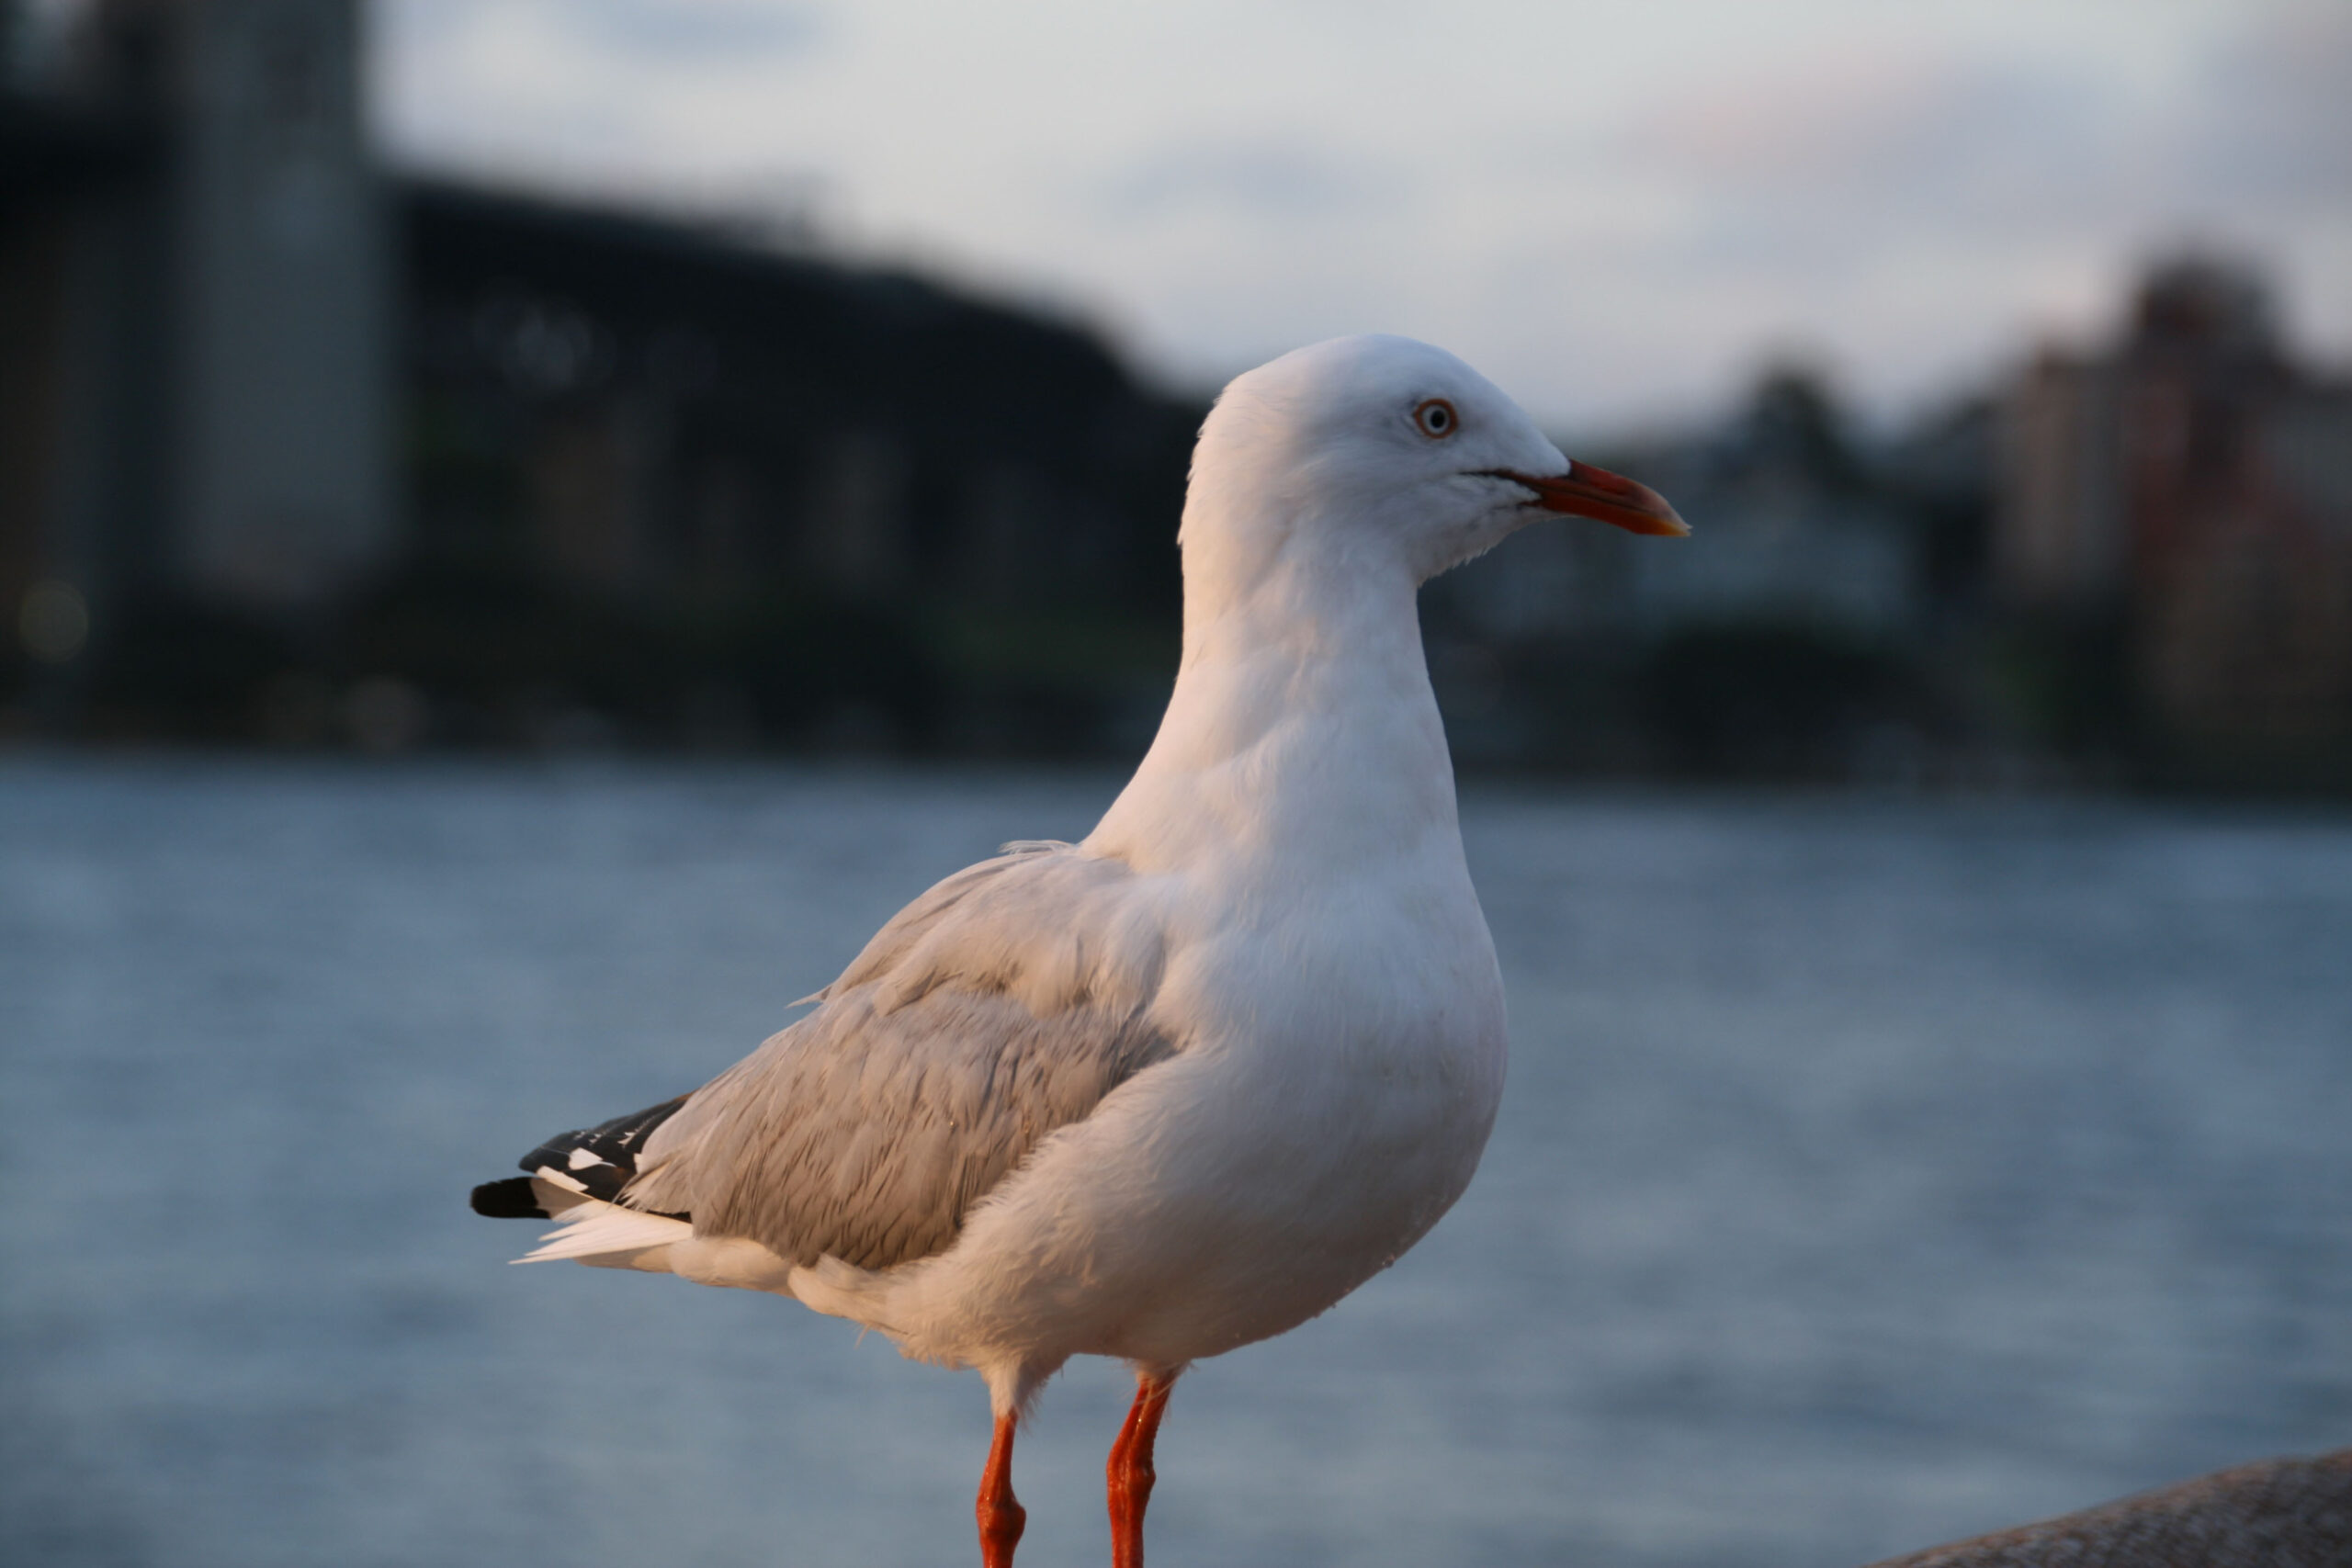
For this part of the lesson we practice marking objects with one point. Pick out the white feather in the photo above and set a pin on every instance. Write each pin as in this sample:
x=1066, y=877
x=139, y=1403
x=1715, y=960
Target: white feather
x=595, y=1229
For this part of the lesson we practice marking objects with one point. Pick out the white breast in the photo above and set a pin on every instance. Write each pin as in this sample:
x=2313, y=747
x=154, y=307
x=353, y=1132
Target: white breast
x=1342, y=1057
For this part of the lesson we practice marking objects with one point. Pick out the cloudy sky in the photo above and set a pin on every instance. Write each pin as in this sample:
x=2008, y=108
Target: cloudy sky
x=1617, y=209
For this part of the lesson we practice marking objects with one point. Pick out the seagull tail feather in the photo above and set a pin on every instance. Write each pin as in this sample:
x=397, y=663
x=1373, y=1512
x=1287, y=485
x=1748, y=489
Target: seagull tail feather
x=596, y=1232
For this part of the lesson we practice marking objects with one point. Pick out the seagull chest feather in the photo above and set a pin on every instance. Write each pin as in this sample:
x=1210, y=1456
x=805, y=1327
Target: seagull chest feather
x=1330, y=978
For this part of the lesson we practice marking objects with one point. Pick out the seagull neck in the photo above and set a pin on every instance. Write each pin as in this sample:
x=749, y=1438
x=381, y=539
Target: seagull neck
x=1301, y=727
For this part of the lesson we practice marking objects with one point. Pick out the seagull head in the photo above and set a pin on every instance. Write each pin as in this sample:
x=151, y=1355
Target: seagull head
x=1381, y=451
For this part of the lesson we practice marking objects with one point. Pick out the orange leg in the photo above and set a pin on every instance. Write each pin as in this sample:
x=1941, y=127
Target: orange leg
x=1129, y=1472
x=1001, y=1515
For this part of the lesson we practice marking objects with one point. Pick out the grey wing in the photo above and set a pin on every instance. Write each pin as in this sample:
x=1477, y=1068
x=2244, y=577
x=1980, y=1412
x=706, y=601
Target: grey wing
x=1004, y=1004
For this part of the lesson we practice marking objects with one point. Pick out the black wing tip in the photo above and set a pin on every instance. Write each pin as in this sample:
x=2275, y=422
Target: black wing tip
x=509, y=1200
x=612, y=1146
x=614, y=1142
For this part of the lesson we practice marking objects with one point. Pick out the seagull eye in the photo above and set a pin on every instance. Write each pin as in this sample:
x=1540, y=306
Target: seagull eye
x=1436, y=419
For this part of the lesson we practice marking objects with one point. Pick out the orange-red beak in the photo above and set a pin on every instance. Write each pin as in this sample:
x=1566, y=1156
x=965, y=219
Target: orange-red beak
x=1586, y=491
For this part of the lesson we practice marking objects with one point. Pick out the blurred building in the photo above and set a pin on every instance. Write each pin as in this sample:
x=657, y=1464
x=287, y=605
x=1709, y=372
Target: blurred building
x=1804, y=528
x=2190, y=489
x=1792, y=633
x=198, y=298
x=280, y=426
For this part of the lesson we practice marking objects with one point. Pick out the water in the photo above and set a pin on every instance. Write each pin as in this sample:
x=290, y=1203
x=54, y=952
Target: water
x=1872, y=1173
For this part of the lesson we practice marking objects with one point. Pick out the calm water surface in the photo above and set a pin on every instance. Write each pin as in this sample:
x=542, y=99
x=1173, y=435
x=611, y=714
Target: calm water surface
x=1873, y=1172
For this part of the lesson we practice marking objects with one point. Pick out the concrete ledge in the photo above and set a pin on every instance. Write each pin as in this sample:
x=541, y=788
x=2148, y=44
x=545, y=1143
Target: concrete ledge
x=2281, y=1513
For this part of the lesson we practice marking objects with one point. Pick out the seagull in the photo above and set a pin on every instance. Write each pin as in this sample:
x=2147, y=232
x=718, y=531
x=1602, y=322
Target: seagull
x=1182, y=1085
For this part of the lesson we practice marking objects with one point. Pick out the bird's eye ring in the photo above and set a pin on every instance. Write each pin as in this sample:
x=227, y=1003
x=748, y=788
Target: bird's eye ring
x=1436, y=419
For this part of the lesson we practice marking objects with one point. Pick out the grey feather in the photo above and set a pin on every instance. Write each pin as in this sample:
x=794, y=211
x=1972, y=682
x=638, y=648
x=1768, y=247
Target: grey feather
x=1004, y=1003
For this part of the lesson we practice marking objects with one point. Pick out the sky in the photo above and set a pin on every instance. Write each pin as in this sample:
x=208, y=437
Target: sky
x=1619, y=210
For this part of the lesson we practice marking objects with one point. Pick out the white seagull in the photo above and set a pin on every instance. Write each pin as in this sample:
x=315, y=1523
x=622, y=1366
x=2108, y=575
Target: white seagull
x=1184, y=1085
